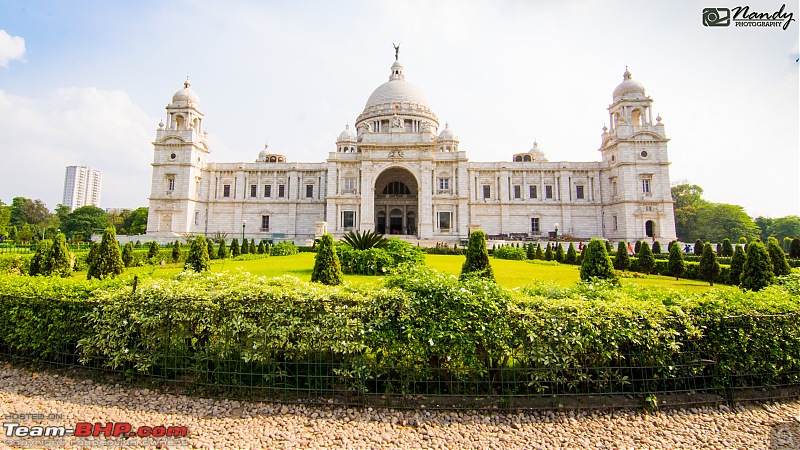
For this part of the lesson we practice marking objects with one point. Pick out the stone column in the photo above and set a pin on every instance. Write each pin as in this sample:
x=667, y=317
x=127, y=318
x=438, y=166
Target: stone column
x=367, y=219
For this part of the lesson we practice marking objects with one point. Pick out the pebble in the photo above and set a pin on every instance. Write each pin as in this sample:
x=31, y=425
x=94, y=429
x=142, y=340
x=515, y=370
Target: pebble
x=220, y=423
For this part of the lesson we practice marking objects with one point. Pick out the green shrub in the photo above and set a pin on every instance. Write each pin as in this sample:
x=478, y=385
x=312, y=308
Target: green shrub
x=559, y=253
x=777, y=256
x=107, y=261
x=152, y=250
x=727, y=248
x=510, y=252
x=477, y=262
x=261, y=248
x=656, y=248
x=646, y=260
x=698, y=247
x=622, y=260
x=176, y=251
x=737, y=265
x=379, y=261
x=127, y=254
x=794, y=249
x=197, y=259
x=596, y=263
x=572, y=255
x=253, y=248
x=743, y=240
x=245, y=248
x=212, y=253
x=235, y=250
x=530, y=251
x=327, y=269
x=676, y=264
x=222, y=251
x=636, y=247
x=709, y=267
x=548, y=252
x=366, y=240
x=539, y=252
x=282, y=249
x=757, y=269
x=787, y=244
x=40, y=263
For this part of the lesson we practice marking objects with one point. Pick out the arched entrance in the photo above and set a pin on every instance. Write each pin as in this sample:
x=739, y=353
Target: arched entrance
x=649, y=228
x=396, y=202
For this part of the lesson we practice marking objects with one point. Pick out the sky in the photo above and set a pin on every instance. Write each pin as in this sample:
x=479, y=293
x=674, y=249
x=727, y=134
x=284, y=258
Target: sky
x=86, y=83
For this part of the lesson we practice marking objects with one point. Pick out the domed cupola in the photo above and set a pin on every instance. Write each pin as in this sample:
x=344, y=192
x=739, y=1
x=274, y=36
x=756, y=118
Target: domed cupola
x=397, y=106
x=346, y=142
x=447, y=141
x=629, y=89
x=265, y=156
x=534, y=154
x=185, y=97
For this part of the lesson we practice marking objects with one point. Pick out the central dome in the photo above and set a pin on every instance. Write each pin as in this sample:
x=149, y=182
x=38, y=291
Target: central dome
x=397, y=97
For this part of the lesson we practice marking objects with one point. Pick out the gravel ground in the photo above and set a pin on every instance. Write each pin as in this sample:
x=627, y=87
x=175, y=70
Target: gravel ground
x=218, y=424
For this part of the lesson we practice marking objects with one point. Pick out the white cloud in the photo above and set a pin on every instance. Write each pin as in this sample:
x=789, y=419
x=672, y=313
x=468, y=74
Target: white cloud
x=11, y=48
x=101, y=129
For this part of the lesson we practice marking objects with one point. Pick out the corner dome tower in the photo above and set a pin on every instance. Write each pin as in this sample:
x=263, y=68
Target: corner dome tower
x=186, y=96
x=629, y=89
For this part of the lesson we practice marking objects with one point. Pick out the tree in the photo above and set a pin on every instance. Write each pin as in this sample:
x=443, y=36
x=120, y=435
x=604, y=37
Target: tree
x=197, y=259
x=152, y=250
x=687, y=198
x=84, y=220
x=794, y=248
x=60, y=257
x=5, y=219
x=212, y=254
x=787, y=244
x=777, y=256
x=698, y=247
x=530, y=252
x=108, y=260
x=327, y=269
x=559, y=254
x=646, y=260
x=235, y=251
x=763, y=224
x=737, y=264
x=656, y=248
x=757, y=269
x=253, y=246
x=717, y=221
x=784, y=227
x=93, y=268
x=622, y=261
x=222, y=251
x=136, y=221
x=709, y=267
x=572, y=255
x=548, y=253
x=40, y=262
x=539, y=252
x=245, y=249
x=477, y=262
x=727, y=248
x=176, y=251
x=27, y=211
x=262, y=250
x=127, y=254
x=676, y=265
x=596, y=263
x=636, y=247
x=671, y=243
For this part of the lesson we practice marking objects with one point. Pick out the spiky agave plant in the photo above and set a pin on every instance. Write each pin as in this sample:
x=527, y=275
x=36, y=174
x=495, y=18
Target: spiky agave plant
x=364, y=240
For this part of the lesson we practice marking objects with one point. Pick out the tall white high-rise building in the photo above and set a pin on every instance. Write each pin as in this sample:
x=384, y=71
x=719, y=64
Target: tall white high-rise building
x=81, y=187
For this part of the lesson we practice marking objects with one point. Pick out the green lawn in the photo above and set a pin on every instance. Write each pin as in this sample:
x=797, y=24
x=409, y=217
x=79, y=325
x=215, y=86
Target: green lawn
x=510, y=274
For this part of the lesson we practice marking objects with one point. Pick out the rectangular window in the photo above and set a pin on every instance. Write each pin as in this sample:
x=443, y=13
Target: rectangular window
x=444, y=184
x=281, y=190
x=613, y=188
x=646, y=185
x=614, y=222
x=487, y=191
x=264, y=223
x=309, y=191
x=350, y=184
x=535, y=225
x=197, y=217
x=226, y=190
x=172, y=184
x=267, y=190
x=548, y=191
x=348, y=219
x=253, y=190
x=517, y=191
x=444, y=220
x=533, y=192
x=579, y=192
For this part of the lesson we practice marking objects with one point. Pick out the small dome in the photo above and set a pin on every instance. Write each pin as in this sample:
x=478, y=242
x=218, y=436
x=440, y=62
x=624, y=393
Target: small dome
x=537, y=152
x=447, y=134
x=347, y=134
x=629, y=89
x=263, y=153
x=185, y=95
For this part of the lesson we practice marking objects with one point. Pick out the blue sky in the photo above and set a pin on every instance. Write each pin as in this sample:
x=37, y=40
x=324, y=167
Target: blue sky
x=86, y=83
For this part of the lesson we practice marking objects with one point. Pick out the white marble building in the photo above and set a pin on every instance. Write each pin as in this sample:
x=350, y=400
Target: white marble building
x=400, y=172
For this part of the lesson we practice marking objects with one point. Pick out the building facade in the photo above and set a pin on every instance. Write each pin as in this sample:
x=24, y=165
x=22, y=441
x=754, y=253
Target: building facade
x=81, y=187
x=401, y=173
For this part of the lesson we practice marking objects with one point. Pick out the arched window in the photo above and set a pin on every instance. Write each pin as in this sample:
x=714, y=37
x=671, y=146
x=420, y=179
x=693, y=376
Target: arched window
x=518, y=158
x=396, y=188
x=526, y=158
x=649, y=228
x=272, y=159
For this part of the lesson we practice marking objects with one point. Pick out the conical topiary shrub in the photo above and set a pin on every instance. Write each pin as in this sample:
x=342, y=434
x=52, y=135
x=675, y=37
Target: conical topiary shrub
x=676, y=264
x=646, y=260
x=757, y=270
x=477, y=262
x=596, y=263
x=737, y=265
x=327, y=269
x=622, y=261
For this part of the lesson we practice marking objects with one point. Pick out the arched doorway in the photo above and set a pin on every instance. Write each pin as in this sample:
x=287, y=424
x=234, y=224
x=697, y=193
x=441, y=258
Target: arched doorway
x=649, y=228
x=396, y=202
